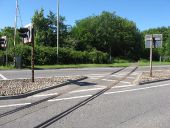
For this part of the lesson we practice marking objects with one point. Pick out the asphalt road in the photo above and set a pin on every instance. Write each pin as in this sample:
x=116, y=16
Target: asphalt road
x=123, y=106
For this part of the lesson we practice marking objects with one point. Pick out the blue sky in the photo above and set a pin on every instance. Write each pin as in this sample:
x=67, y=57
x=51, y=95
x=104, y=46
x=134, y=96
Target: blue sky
x=145, y=13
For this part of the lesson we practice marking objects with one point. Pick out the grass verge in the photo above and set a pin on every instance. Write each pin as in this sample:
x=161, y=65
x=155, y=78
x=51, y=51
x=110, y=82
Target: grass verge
x=83, y=65
x=124, y=64
x=6, y=67
x=154, y=63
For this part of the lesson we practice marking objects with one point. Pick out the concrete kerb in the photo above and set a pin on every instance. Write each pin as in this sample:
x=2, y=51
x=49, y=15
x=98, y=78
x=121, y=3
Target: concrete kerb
x=154, y=81
x=136, y=81
x=38, y=91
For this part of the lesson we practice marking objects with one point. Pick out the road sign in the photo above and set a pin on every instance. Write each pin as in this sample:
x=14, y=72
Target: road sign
x=155, y=39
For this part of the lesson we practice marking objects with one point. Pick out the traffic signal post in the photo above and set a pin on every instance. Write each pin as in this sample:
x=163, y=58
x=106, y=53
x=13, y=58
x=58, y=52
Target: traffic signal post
x=27, y=34
x=3, y=45
x=32, y=55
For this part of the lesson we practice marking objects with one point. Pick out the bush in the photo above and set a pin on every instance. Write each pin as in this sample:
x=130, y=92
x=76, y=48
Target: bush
x=48, y=55
x=2, y=57
x=20, y=50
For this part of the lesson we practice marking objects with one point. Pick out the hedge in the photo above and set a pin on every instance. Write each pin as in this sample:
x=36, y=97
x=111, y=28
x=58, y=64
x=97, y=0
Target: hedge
x=48, y=55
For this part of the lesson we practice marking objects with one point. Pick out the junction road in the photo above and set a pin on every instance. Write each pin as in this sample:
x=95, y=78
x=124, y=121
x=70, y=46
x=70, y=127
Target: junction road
x=123, y=105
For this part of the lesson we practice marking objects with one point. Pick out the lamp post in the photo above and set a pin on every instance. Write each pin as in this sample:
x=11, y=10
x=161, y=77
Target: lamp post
x=58, y=2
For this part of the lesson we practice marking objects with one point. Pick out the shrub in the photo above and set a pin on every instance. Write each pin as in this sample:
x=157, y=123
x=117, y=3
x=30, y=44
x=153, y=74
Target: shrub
x=48, y=55
x=2, y=57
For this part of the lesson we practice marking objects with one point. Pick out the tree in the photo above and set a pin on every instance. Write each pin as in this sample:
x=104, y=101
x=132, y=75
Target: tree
x=109, y=33
x=41, y=26
x=46, y=29
x=9, y=33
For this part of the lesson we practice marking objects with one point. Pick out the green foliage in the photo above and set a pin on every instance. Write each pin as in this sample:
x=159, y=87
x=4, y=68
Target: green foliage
x=2, y=55
x=48, y=55
x=20, y=50
x=109, y=33
x=94, y=39
x=46, y=29
x=165, y=31
x=9, y=33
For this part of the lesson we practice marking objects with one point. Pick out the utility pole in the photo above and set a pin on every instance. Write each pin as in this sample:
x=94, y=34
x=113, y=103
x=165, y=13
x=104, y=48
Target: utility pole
x=15, y=24
x=58, y=9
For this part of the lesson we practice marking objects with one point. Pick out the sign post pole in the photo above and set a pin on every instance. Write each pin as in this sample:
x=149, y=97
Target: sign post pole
x=151, y=42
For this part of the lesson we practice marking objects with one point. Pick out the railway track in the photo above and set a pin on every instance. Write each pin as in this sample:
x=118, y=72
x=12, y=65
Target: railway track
x=81, y=103
x=39, y=103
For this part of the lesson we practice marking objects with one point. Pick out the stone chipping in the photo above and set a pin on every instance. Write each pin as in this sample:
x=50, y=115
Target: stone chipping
x=22, y=86
x=156, y=76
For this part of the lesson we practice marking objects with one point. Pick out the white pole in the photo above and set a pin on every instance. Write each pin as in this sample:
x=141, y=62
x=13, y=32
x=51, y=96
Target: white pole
x=15, y=24
x=58, y=2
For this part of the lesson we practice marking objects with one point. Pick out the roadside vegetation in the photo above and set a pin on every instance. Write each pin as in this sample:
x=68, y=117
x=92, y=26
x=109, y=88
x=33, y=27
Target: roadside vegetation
x=99, y=40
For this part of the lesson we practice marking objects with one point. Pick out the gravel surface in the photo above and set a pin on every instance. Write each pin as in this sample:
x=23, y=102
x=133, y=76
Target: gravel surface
x=157, y=76
x=21, y=86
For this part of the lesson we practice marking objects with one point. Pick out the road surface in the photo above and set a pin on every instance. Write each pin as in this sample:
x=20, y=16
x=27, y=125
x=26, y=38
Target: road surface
x=123, y=106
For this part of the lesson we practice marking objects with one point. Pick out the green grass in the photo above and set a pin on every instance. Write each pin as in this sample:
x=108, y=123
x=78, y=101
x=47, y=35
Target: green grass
x=117, y=64
x=83, y=65
x=147, y=63
x=6, y=67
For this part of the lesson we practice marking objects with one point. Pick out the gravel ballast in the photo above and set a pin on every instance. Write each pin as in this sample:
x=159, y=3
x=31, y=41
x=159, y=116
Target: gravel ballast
x=156, y=76
x=22, y=86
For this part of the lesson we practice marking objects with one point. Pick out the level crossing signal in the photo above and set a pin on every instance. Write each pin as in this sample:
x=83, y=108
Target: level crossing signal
x=3, y=42
x=26, y=33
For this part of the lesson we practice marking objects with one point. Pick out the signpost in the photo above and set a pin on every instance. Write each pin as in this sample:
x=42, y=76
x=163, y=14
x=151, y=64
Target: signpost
x=153, y=41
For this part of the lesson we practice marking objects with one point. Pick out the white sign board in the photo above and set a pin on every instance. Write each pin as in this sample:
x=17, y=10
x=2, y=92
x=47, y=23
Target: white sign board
x=155, y=39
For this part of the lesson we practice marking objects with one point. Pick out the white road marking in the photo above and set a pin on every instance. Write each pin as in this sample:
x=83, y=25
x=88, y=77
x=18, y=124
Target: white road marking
x=44, y=95
x=123, y=86
x=125, y=82
x=137, y=89
x=3, y=77
x=108, y=80
x=13, y=105
x=76, y=97
x=106, y=93
x=95, y=76
x=85, y=90
x=117, y=75
x=98, y=74
x=131, y=77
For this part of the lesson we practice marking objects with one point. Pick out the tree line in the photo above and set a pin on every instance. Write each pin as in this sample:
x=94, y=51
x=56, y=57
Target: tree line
x=94, y=39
